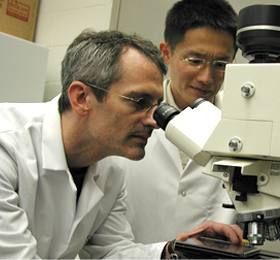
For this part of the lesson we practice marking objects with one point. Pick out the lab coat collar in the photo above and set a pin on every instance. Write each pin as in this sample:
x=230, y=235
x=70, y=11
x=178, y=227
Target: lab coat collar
x=168, y=97
x=52, y=145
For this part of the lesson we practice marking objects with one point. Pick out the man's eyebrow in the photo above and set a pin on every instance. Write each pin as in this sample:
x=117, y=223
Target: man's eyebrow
x=139, y=94
x=143, y=94
x=202, y=56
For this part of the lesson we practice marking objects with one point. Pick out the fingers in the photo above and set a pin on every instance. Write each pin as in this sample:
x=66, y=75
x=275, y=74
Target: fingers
x=237, y=231
x=193, y=233
x=213, y=229
x=233, y=232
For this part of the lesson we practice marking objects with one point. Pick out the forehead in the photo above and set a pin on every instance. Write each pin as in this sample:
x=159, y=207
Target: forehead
x=139, y=74
x=204, y=40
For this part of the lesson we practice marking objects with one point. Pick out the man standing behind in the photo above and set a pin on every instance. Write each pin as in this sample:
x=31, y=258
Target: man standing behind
x=167, y=192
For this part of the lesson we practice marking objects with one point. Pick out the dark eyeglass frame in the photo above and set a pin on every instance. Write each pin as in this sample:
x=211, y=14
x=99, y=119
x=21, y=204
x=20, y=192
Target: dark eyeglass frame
x=191, y=63
x=145, y=106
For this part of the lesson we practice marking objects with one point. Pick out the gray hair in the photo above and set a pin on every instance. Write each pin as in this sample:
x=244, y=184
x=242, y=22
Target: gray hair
x=94, y=57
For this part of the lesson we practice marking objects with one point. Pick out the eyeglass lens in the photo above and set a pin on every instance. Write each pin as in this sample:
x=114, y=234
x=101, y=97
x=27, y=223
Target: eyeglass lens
x=197, y=63
x=144, y=104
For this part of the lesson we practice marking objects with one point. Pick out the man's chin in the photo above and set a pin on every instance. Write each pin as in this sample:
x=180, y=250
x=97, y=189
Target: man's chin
x=135, y=154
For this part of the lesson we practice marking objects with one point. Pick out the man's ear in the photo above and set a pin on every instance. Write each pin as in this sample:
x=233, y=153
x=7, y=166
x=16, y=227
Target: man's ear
x=78, y=94
x=165, y=50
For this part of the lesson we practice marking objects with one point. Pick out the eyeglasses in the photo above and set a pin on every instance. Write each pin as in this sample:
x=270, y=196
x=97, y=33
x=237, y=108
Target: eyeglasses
x=141, y=104
x=196, y=63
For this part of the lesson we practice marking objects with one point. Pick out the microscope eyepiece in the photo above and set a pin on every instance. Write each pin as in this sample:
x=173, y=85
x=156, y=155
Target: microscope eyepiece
x=164, y=113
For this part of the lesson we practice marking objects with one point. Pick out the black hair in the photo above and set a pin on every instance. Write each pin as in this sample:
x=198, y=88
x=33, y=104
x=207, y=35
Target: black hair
x=190, y=14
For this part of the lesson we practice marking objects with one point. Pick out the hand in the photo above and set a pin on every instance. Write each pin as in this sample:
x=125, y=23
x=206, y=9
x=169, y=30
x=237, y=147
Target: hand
x=211, y=229
x=216, y=230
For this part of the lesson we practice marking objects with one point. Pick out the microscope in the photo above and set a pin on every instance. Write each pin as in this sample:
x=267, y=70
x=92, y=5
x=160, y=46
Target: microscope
x=240, y=144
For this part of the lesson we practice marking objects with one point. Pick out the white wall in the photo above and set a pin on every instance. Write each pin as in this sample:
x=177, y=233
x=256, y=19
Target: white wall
x=59, y=22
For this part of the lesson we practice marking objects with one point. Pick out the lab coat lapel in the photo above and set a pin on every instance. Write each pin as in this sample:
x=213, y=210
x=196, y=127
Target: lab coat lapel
x=90, y=195
x=87, y=209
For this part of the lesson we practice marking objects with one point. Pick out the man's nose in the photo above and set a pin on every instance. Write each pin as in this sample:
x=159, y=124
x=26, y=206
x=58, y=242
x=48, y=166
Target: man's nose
x=206, y=74
x=149, y=118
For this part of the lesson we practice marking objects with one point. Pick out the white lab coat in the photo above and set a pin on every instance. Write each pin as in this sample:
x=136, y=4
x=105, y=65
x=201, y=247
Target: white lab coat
x=38, y=213
x=163, y=199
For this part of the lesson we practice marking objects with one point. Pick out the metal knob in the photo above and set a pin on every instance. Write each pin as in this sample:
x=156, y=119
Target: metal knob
x=235, y=144
x=248, y=90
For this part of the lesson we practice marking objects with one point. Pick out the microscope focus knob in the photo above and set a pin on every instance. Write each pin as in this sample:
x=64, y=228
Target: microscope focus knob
x=247, y=90
x=235, y=144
